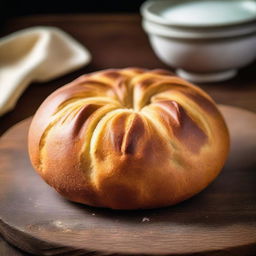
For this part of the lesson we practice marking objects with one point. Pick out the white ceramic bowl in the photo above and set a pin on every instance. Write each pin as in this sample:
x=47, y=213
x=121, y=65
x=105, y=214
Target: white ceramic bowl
x=201, y=52
x=199, y=33
x=205, y=60
x=199, y=13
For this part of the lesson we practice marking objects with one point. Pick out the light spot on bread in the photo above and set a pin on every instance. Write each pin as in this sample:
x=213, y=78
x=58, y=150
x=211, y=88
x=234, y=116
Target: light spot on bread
x=133, y=136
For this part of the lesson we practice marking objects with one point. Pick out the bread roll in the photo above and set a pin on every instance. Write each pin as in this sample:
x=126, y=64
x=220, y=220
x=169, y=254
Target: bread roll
x=128, y=139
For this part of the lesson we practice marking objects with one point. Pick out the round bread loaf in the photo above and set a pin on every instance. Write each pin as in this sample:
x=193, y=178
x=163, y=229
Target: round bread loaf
x=128, y=139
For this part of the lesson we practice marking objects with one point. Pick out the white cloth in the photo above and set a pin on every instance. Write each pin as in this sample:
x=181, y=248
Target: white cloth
x=36, y=54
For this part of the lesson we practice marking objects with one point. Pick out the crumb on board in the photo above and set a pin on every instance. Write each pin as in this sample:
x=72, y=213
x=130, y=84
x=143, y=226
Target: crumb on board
x=145, y=219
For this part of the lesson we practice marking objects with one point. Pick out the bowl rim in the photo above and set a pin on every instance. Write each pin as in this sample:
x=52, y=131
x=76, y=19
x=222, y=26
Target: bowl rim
x=153, y=17
x=173, y=32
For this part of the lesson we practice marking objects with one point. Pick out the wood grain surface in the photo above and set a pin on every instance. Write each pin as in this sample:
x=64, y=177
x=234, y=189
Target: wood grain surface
x=221, y=220
x=8, y=250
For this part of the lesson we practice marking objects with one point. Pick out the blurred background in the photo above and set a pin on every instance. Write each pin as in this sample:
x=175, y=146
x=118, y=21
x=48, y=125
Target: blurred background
x=16, y=8
x=112, y=31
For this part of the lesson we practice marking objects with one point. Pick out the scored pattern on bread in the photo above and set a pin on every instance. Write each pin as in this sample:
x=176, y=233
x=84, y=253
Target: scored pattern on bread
x=128, y=138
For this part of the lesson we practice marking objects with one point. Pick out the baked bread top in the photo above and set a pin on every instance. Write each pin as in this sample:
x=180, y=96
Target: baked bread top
x=128, y=138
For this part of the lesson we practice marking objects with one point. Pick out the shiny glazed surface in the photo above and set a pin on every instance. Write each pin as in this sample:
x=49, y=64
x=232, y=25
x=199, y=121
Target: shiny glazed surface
x=128, y=139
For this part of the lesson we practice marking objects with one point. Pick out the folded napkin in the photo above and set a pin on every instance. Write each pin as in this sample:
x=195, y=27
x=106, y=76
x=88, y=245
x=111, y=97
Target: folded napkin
x=36, y=54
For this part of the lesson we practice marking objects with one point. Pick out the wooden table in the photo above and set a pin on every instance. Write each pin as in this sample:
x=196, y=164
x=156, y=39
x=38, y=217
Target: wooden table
x=115, y=41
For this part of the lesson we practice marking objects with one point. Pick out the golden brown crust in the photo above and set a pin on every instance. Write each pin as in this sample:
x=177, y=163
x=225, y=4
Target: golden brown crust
x=128, y=139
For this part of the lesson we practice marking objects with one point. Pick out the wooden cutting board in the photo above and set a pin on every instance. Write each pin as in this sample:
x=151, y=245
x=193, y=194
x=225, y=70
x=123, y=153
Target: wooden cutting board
x=8, y=250
x=221, y=220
